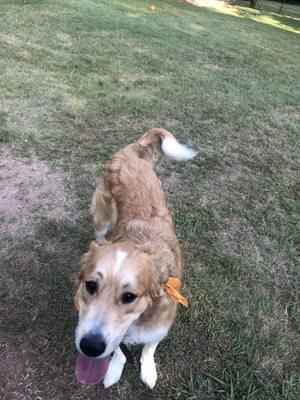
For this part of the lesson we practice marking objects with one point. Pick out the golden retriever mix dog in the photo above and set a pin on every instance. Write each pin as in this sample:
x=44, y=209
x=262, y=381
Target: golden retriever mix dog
x=122, y=296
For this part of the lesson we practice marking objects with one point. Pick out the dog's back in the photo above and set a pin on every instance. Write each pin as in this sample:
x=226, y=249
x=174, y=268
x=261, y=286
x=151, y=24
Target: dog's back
x=135, y=198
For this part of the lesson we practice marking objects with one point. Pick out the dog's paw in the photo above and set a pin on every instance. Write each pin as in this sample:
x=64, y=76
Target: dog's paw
x=113, y=375
x=148, y=372
x=114, y=371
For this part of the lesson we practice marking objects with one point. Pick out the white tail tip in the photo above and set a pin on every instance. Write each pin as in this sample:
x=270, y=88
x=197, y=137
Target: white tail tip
x=173, y=149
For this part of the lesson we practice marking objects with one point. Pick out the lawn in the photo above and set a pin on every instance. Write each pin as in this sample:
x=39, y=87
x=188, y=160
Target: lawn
x=79, y=80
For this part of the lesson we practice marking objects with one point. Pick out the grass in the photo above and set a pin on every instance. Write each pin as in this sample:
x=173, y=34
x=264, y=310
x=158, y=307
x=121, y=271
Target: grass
x=78, y=80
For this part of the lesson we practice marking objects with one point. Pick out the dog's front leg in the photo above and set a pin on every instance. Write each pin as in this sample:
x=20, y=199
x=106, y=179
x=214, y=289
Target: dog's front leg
x=148, y=368
x=115, y=368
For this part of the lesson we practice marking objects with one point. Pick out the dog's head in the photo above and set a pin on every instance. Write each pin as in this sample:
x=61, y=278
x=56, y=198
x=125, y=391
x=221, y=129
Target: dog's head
x=117, y=283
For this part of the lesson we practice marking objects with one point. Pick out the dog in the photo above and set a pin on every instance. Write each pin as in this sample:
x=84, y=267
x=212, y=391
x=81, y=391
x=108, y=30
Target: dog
x=121, y=294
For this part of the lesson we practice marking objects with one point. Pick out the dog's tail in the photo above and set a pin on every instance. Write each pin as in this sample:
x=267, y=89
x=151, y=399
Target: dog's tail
x=159, y=140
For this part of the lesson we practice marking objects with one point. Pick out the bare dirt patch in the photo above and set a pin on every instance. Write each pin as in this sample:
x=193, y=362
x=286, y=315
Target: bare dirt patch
x=30, y=192
x=16, y=369
x=145, y=50
x=65, y=39
x=211, y=67
x=218, y=188
x=10, y=39
x=239, y=239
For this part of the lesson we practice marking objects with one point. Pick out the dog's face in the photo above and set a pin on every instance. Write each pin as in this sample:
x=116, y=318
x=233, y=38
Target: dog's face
x=116, y=285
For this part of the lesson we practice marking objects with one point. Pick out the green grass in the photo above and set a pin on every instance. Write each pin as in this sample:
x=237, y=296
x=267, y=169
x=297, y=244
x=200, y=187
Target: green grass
x=80, y=79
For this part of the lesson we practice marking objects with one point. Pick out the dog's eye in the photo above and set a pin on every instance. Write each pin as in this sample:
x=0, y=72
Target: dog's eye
x=128, y=297
x=91, y=287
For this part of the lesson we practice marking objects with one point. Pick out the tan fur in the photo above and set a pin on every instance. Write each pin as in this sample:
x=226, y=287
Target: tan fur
x=130, y=203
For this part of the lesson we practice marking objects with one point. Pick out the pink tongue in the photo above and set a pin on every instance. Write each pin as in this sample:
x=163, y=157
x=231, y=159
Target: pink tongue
x=90, y=371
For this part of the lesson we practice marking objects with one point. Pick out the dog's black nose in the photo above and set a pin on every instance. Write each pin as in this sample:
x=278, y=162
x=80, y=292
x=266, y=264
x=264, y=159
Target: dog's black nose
x=92, y=345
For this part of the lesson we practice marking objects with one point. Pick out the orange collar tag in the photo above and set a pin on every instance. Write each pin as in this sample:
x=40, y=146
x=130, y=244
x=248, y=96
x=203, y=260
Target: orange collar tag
x=171, y=284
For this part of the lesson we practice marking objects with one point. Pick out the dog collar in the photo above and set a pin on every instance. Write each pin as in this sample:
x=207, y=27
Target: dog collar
x=171, y=284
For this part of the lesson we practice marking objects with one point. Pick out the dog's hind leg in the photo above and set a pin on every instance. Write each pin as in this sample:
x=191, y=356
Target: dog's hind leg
x=104, y=210
x=115, y=368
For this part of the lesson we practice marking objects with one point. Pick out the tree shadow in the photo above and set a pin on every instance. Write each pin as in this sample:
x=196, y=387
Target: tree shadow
x=38, y=309
x=43, y=281
x=272, y=18
x=239, y=8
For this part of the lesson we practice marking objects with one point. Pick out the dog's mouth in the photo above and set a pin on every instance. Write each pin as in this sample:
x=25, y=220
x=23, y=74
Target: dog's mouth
x=90, y=370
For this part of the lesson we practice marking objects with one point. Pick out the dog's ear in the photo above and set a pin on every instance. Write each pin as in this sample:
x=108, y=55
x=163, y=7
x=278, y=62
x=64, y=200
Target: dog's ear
x=156, y=287
x=86, y=261
x=161, y=261
x=159, y=275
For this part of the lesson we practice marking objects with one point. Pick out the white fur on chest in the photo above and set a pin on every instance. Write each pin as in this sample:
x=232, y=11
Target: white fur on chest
x=141, y=335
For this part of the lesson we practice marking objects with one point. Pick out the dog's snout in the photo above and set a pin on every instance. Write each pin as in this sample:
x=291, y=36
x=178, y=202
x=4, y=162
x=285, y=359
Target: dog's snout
x=93, y=345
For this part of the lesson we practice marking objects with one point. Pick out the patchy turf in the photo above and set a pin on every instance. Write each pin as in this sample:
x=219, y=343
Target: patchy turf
x=78, y=80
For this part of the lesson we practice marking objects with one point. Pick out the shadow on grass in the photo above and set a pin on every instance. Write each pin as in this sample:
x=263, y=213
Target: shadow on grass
x=266, y=14
x=42, y=277
x=6, y=134
x=273, y=19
